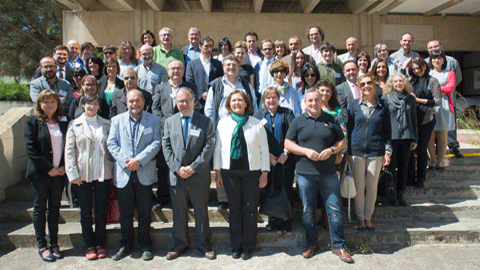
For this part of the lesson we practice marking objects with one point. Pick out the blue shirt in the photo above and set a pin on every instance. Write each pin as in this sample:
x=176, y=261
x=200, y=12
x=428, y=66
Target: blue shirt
x=149, y=78
x=77, y=63
x=134, y=131
x=192, y=54
x=262, y=74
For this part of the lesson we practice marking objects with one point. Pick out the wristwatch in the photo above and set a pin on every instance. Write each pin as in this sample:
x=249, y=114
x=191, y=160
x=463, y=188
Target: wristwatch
x=285, y=152
x=333, y=151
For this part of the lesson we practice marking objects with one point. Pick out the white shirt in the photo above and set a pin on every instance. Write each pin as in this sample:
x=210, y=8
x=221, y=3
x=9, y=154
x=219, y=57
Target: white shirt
x=264, y=73
x=353, y=89
x=206, y=63
x=97, y=157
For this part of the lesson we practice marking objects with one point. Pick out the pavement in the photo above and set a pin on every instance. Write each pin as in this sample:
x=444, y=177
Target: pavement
x=413, y=257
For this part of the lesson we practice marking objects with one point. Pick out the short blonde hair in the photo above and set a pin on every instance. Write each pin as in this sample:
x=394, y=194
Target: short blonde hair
x=269, y=90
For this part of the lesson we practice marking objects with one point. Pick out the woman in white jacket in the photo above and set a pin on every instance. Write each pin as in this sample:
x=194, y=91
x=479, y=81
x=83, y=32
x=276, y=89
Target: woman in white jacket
x=89, y=165
x=241, y=164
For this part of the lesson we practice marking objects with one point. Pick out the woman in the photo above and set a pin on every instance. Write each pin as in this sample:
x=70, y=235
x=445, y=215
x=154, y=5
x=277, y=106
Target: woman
x=126, y=57
x=310, y=77
x=295, y=75
x=288, y=95
x=147, y=38
x=363, y=63
x=403, y=118
x=77, y=75
x=241, y=163
x=224, y=47
x=380, y=51
x=426, y=91
x=44, y=137
x=86, y=50
x=281, y=50
x=380, y=72
x=95, y=66
x=444, y=113
x=245, y=71
x=315, y=138
x=369, y=147
x=89, y=166
x=89, y=85
x=276, y=121
x=110, y=81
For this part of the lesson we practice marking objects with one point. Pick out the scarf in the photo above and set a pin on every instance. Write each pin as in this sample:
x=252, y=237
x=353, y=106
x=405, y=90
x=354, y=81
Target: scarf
x=281, y=88
x=277, y=122
x=397, y=100
x=236, y=150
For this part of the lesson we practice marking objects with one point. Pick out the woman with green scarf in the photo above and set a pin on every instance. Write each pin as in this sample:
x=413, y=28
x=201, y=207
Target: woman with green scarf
x=241, y=163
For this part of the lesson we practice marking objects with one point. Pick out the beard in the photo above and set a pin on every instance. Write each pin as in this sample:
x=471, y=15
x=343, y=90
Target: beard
x=49, y=75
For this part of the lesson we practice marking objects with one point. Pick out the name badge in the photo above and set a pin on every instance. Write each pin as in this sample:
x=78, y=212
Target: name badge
x=338, y=75
x=148, y=130
x=263, y=121
x=195, y=132
x=63, y=119
x=173, y=95
x=62, y=93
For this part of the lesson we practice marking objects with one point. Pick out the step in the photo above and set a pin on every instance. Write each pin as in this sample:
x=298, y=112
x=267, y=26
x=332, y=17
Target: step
x=466, y=231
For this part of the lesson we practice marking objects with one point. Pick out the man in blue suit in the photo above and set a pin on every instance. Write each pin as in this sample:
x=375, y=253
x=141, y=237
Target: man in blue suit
x=134, y=140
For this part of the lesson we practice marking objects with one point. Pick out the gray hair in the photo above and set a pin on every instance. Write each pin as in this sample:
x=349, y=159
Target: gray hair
x=378, y=47
x=231, y=57
x=314, y=89
x=185, y=89
x=389, y=84
x=165, y=29
x=194, y=28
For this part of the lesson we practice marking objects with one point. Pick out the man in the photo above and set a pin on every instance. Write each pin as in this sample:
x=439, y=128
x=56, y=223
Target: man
x=149, y=73
x=60, y=55
x=352, y=51
x=166, y=52
x=49, y=80
x=134, y=140
x=204, y=69
x=263, y=78
x=217, y=95
x=316, y=35
x=192, y=51
x=109, y=51
x=119, y=96
x=329, y=70
x=254, y=55
x=381, y=52
x=405, y=53
x=315, y=137
x=74, y=60
x=188, y=144
x=295, y=43
x=164, y=106
x=453, y=65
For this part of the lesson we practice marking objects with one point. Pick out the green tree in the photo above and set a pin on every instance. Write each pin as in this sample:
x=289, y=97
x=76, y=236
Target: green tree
x=29, y=30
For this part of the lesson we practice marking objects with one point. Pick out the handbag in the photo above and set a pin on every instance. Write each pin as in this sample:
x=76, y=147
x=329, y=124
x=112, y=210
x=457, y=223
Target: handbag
x=277, y=203
x=386, y=185
x=347, y=186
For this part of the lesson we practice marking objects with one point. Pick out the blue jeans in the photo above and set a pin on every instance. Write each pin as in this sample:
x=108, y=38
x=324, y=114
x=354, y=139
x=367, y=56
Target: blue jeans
x=329, y=188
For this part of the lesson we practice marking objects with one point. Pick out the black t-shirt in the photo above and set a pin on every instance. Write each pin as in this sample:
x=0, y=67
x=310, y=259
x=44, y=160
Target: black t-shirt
x=317, y=134
x=245, y=71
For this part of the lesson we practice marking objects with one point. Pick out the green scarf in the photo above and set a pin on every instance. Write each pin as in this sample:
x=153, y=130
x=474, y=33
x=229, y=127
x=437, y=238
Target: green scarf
x=236, y=150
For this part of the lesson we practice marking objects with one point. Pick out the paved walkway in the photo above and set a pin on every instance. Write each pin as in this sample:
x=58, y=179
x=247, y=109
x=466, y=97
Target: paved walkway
x=415, y=257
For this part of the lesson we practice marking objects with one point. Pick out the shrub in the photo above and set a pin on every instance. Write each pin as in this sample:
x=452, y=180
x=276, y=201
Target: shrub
x=14, y=92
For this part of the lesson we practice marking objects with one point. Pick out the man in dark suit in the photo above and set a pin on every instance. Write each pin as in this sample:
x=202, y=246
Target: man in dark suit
x=60, y=55
x=164, y=107
x=188, y=144
x=204, y=69
x=119, y=97
x=134, y=140
x=254, y=54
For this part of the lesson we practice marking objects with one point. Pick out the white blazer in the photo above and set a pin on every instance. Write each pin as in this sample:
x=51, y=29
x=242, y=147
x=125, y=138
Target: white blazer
x=255, y=137
x=79, y=147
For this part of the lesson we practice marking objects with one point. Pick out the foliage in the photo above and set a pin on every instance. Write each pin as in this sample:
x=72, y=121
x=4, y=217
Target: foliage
x=29, y=30
x=14, y=92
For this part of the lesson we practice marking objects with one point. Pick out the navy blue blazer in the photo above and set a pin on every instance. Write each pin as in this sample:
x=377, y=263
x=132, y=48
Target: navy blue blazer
x=196, y=74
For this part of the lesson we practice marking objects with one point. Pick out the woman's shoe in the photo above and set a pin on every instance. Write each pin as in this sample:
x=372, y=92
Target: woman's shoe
x=46, y=257
x=101, y=252
x=91, y=254
x=56, y=252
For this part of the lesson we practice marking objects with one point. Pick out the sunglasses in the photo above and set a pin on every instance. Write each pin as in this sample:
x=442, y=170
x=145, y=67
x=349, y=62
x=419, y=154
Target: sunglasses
x=129, y=78
x=364, y=83
x=310, y=75
x=279, y=70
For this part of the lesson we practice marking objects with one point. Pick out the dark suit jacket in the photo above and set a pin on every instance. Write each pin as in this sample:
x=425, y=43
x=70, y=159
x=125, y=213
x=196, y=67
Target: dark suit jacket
x=76, y=109
x=196, y=74
x=247, y=58
x=38, y=146
x=102, y=84
x=197, y=152
x=68, y=75
x=119, y=102
x=163, y=102
x=345, y=97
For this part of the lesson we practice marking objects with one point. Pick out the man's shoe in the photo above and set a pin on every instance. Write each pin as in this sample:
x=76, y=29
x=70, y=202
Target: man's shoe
x=457, y=152
x=247, y=255
x=310, y=251
x=209, y=254
x=147, y=255
x=222, y=206
x=159, y=206
x=172, y=255
x=236, y=254
x=343, y=254
x=122, y=253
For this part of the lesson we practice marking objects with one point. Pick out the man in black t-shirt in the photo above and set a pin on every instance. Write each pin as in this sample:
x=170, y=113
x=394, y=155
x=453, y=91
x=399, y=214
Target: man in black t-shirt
x=315, y=137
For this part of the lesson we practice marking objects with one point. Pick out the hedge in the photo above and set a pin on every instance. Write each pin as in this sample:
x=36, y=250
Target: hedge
x=14, y=92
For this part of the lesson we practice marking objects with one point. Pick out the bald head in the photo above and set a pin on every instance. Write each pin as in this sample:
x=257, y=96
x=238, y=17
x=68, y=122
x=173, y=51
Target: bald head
x=73, y=49
x=146, y=52
x=352, y=46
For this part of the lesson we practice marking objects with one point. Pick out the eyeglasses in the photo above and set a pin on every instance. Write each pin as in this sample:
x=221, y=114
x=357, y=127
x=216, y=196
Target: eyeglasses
x=107, y=53
x=129, y=78
x=268, y=49
x=88, y=84
x=310, y=75
x=364, y=83
x=48, y=67
x=184, y=101
x=279, y=70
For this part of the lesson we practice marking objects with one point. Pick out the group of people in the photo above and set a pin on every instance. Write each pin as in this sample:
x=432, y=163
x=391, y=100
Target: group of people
x=257, y=116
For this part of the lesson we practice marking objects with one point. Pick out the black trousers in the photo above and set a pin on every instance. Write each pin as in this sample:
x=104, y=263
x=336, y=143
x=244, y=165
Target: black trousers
x=86, y=194
x=133, y=192
x=243, y=195
x=47, y=194
x=163, y=193
x=399, y=161
x=424, y=134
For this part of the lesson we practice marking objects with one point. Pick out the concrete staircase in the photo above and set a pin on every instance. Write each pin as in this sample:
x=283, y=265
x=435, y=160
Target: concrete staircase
x=446, y=210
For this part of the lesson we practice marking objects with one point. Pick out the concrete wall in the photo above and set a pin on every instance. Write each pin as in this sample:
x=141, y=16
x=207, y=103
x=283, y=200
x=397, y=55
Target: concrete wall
x=7, y=105
x=13, y=159
x=458, y=33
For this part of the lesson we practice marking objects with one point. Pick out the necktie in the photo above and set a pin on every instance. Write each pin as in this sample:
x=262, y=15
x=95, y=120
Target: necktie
x=357, y=94
x=185, y=129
